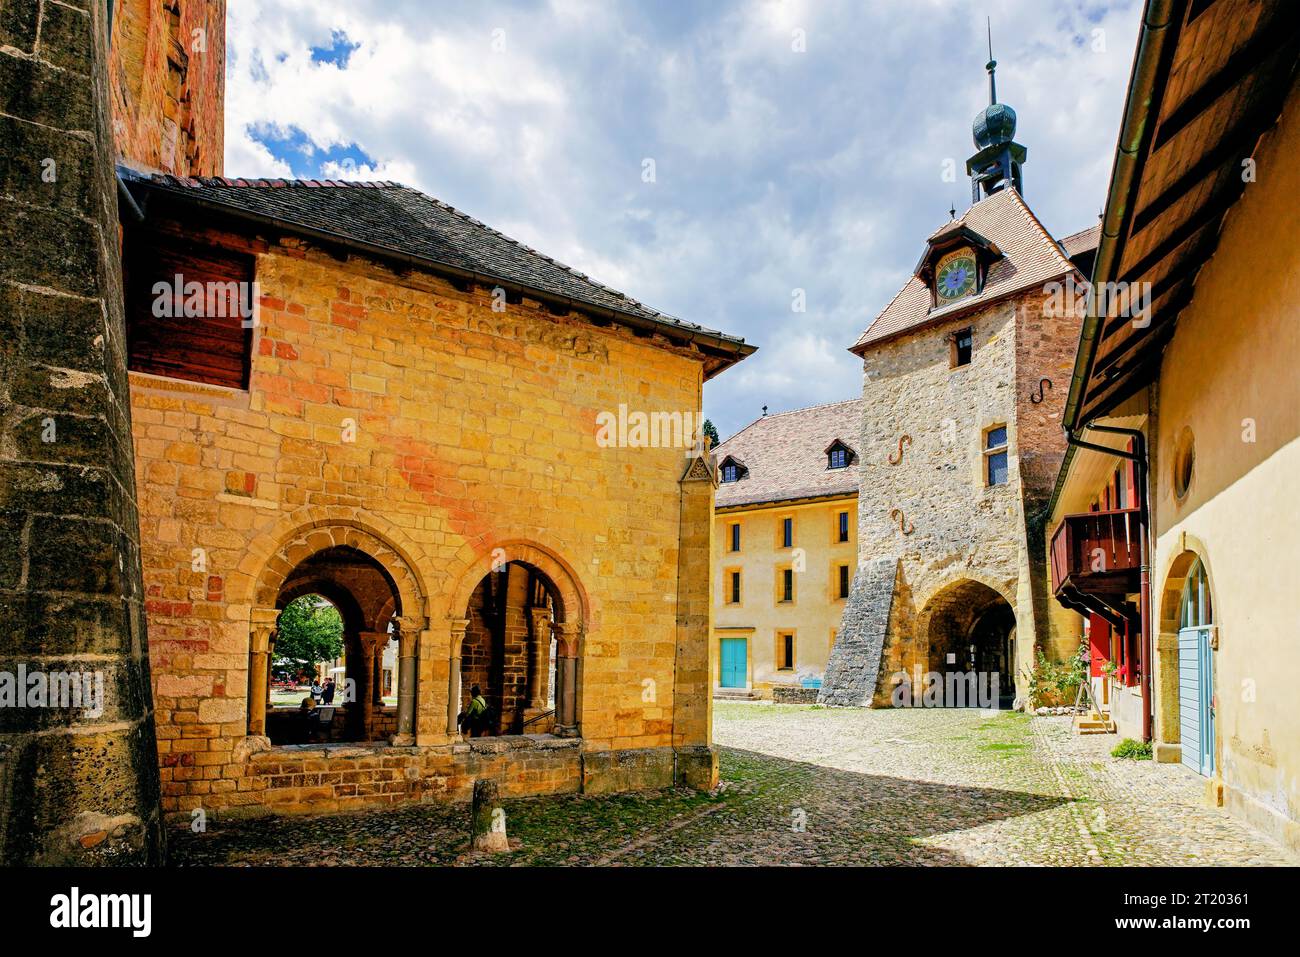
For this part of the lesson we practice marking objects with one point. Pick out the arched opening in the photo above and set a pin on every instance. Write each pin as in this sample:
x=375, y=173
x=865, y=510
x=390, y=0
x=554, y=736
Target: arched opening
x=1188, y=640
x=367, y=600
x=516, y=652
x=970, y=631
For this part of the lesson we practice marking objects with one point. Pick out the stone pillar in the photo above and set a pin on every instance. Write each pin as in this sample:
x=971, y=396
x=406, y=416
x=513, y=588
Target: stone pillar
x=408, y=637
x=371, y=644
x=539, y=620
x=566, y=678
x=696, y=759
x=458, y=626
x=259, y=677
x=78, y=786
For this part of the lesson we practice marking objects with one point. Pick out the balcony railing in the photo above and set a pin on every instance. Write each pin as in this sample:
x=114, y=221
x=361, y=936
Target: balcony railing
x=1097, y=552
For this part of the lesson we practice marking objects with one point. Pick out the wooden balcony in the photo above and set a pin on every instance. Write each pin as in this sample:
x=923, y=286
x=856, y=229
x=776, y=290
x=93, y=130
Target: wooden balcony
x=1098, y=556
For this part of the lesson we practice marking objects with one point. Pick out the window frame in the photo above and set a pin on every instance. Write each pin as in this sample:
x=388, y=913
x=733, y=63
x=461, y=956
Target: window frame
x=733, y=537
x=782, y=637
x=955, y=349
x=991, y=452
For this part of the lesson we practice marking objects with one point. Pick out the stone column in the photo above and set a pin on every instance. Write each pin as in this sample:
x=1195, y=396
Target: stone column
x=696, y=759
x=458, y=626
x=77, y=788
x=408, y=636
x=540, y=632
x=371, y=644
x=259, y=672
x=566, y=678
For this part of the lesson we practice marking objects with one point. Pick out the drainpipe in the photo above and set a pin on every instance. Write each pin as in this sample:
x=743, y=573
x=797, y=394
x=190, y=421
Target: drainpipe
x=1139, y=457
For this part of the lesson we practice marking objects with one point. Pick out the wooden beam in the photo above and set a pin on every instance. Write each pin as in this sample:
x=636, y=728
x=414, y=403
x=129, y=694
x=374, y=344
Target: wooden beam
x=1268, y=40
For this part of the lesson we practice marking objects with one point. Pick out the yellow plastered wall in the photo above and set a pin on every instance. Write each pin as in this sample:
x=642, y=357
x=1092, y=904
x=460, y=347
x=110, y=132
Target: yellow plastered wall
x=1229, y=376
x=814, y=614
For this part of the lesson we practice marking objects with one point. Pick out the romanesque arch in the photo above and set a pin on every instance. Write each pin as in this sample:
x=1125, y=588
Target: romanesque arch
x=381, y=596
x=520, y=615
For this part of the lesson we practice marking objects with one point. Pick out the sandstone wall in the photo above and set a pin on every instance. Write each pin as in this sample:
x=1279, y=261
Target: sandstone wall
x=474, y=431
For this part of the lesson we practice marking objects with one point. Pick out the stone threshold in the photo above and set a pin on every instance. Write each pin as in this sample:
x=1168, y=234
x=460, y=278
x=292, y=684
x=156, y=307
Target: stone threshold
x=501, y=744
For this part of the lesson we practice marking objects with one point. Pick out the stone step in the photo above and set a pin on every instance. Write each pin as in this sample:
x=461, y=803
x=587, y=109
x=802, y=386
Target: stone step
x=735, y=694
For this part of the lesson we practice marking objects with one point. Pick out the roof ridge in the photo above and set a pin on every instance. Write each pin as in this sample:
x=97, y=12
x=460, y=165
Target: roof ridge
x=773, y=415
x=618, y=293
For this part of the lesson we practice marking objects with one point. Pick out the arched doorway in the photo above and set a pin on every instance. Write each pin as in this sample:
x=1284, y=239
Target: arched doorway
x=380, y=601
x=367, y=600
x=516, y=652
x=1196, y=672
x=969, y=629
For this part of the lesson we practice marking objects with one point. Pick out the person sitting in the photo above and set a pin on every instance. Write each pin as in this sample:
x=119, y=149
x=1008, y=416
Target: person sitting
x=308, y=720
x=476, y=718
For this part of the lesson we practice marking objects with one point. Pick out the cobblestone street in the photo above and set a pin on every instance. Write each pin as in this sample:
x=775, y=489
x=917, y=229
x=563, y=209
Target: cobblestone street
x=808, y=786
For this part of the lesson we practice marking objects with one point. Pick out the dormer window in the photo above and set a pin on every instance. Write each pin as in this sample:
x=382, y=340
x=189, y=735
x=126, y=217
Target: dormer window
x=956, y=263
x=839, y=455
x=732, y=469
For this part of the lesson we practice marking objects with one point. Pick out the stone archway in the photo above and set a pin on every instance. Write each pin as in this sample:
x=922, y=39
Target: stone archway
x=1168, y=733
x=518, y=601
x=968, y=626
x=380, y=597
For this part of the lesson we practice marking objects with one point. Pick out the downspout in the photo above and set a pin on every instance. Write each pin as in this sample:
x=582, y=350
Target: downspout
x=1139, y=457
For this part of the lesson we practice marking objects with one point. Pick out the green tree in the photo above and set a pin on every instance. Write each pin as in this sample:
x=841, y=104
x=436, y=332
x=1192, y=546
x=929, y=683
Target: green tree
x=310, y=631
x=710, y=431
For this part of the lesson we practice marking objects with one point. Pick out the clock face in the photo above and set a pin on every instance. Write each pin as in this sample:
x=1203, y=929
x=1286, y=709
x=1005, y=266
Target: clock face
x=955, y=277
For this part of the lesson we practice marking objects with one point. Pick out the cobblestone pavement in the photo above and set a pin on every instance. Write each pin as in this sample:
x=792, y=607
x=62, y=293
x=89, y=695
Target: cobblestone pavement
x=808, y=786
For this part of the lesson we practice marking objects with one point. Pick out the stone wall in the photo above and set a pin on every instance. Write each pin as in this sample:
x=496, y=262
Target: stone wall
x=76, y=787
x=404, y=417
x=168, y=85
x=930, y=508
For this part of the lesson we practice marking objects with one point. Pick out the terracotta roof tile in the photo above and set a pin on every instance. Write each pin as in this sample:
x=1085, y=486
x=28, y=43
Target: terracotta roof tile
x=1030, y=257
x=786, y=458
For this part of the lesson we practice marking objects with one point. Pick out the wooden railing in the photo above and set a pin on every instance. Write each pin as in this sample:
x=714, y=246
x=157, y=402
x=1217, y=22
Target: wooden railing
x=1095, y=545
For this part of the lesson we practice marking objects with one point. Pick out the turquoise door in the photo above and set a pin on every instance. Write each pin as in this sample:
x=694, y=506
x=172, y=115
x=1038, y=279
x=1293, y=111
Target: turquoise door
x=1196, y=675
x=734, y=660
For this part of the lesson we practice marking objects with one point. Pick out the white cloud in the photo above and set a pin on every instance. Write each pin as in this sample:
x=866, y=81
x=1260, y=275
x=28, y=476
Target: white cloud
x=775, y=169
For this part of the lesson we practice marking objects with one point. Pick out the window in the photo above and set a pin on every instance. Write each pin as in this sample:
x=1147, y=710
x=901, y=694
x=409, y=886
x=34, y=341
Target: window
x=844, y=582
x=787, y=532
x=787, y=584
x=733, y=597
x=838, y=455
x=730, y=473
x=995, y=456
x=843, y=532
x=785, y=651
x=189, y=310
x=735, y=537
x=962, y=344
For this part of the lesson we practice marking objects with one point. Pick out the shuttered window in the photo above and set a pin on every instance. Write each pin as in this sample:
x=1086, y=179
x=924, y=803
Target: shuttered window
x=189, y=311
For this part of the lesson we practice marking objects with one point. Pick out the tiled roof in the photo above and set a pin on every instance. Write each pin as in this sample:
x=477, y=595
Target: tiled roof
x=785, y=455
x=388, y=217
x=1030, y=257
x=1084, y=241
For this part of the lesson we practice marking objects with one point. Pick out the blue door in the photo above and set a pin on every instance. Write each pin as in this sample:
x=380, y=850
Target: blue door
x=734, y=662
x=1196, y=675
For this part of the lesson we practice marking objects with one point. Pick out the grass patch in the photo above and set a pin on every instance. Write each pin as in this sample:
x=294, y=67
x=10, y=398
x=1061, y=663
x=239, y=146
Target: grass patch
x=1132, y=750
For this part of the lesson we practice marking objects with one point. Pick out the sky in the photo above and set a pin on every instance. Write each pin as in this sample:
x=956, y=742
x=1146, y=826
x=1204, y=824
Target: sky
x=724, y=161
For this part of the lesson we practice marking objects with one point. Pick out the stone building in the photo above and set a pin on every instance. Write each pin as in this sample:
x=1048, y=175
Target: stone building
x=785, y=542
x=1173, y=524
x=964, y=376
x=355, y=391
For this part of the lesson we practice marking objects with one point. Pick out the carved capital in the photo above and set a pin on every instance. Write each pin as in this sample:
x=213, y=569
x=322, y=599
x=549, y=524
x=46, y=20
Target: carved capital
x=458, y=626
x=261, y=639
x=373, y=642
